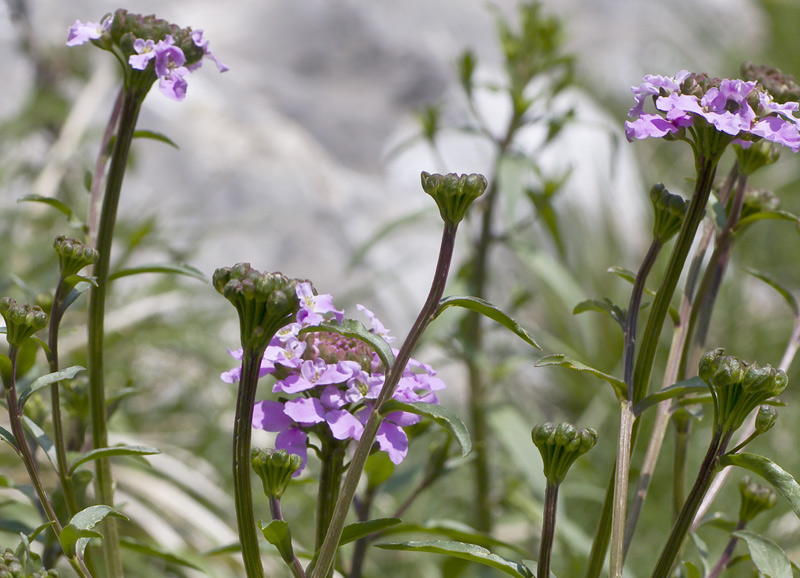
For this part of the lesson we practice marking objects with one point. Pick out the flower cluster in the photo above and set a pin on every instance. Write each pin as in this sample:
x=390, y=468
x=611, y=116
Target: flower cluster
x=327, y=383
x=162, y=50
x=743, y=110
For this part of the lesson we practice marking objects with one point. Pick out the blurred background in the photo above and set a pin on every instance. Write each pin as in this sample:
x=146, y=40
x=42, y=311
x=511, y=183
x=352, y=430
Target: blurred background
x=304, y=158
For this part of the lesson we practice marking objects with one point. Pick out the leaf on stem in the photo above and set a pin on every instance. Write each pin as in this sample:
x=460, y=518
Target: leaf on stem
x=605, y=306
x=278, y=534
x=155, y=552
x=687, y=386
x=565, y=361
x=121, y=450
x=75, y=535
x=44, y=381
x=172, y=268
x=151, y=134
x=56, y=204
x=42, y=440
x=454, y=530
x=488, y=310
x=8, y=437
x=356, y=330
x=465, y=551
x=780, y=479
x=768, y=557
x=78, y=286
x=438, y=413
x=534, y=567
x=779, y=287
x=353, y=532
x=774, y=215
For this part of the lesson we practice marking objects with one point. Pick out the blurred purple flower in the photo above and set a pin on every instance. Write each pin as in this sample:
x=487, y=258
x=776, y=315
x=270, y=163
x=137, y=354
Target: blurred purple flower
x=83, y=32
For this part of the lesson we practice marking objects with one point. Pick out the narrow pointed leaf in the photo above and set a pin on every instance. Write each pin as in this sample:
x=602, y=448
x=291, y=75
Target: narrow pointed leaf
x=565, y=361
x=775, y=284
x=780, y=479
x=356, y=330
x=56, y=204
x=42, y=439
x=46, y=380
x=172, y=268
x=606, y=306
x=768, y=557
x=79, y=287
x=465, y=551
x=113, y=452
x=154, y=552
x=488, y=310
x=80, y=526
x=8, y=437
x=151, y=134
x=5, y=365
x=278, y=534
x=456, y=531
x=687, y=386
x=533, y=566
x=438, y=413
x=775, y=215
x=353, y=532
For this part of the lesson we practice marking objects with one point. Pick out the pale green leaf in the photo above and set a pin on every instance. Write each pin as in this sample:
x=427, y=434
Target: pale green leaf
x=80, y=526
x=780, y=479
x=171, y=268
x=488, y=310
x=45, y=380
x=768, y=557
x=278, y=534
x=155, y=136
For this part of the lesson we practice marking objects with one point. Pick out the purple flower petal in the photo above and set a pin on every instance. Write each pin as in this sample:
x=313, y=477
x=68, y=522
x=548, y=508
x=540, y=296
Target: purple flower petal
x=305, y=410
x=344, y=425
x=293, y=441
x=392, y=440
x=270, y=416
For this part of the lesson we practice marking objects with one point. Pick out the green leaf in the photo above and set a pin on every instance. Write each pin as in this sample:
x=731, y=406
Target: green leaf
x=691, y=570
x=79, y=285
x=768, y=557
x=687, y=386
x=155, y=136
x=533, y=566
x=56, y=204
x=488, y=310
x=5, y=366
x=453, y=530
x=565, y=361
x=780, y=479
x=356, y=330
x=80, y=527
x=353, y=532
x=469, y=552
x=154, y=552
x=702, y=551
x=176, y=268
x=26, y=357
x=8, y=437
x=438, y=413
x=378, y=469
x=278, y=534
x=112, y=452
x=775, y=215
x=630, y=277
x=606, y=306
x=46, y=380
x=775, y=284
x=42, y=439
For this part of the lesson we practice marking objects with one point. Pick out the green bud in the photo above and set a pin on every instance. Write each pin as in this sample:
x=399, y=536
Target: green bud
x=73, y=255
x=669, y=211
x=782, y=87
x=759, y=201
x=755, y=499
x=265, y=301
x=275, y=468
x=560, y=445
x=22, y=321
x=453, y=193
x=738, y=387
x=758, y=155
x=765, y=418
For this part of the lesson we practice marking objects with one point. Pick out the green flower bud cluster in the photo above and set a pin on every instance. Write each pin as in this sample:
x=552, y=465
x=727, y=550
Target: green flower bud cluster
x=126, y=28
x=782, y=87
x=669, y=211
x=765, y=418
x=275, y=468
x=73, y=255
x=738, y=387
x=10, y=567
x=560, y=445
x=758, y=155
x=22, y=321
x=759, y=201
x=453, y=193
x=265, y=301
x=755, y=499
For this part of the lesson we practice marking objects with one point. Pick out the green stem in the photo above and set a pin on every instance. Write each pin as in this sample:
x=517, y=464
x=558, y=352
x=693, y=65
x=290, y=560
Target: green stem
x=330, y=478
x=548, y=529
x=727, y=554
x=242, y=432
x=683, y=428
x=707, y=470
x=621, y=475
x=104, y=488
x=328, y=550
x=277, y=514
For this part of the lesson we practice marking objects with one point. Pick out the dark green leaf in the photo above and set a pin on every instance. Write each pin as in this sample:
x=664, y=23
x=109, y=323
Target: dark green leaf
x=353, y=532
x=80, y=526
x=42, y=439
x=278, y=534
x=8, y=437
x=5, y=367
x=776, y=215
x=155, y=136
x=378, y=469
x=606, y=306
x=112, y=452
x=768, y=557
x=176, y=268
x=566, y=361
x=355, y=329
x=630, y=277
x=45, y=380
x=687, y=386
x=775, y=284
x=780, y=479
x=155, y=552
x=79, y=285
x=438, y=413
x=469, y=552
x=456, y=531
x=488, y=310
x=533, y=566
x=56, y=204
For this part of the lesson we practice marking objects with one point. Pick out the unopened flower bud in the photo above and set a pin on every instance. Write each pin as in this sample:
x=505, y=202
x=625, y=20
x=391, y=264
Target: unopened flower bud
x=755, y=499
x=453, y=193
x=275, y=468
x=73, y=255
x=265, y=301
x=22, y=321
x=759, y=201
x=759, y=154
x=560, y=445
x=765, y=418
x=782, y=87
x=669, y=211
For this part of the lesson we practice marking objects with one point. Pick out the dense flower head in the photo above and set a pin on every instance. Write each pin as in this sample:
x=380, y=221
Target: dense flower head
x=453, y=193
x=560, y=445
x=327, y=383
x=22, y=320
x=755, y=499
x=149, y=48
x=669, y=210
x=744, y=111
x=73, y=255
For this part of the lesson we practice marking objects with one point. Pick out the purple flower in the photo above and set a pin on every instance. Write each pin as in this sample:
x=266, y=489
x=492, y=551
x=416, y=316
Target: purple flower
x=81, y=33
x=197, y=37
x=145, y=52
x=313, y=307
